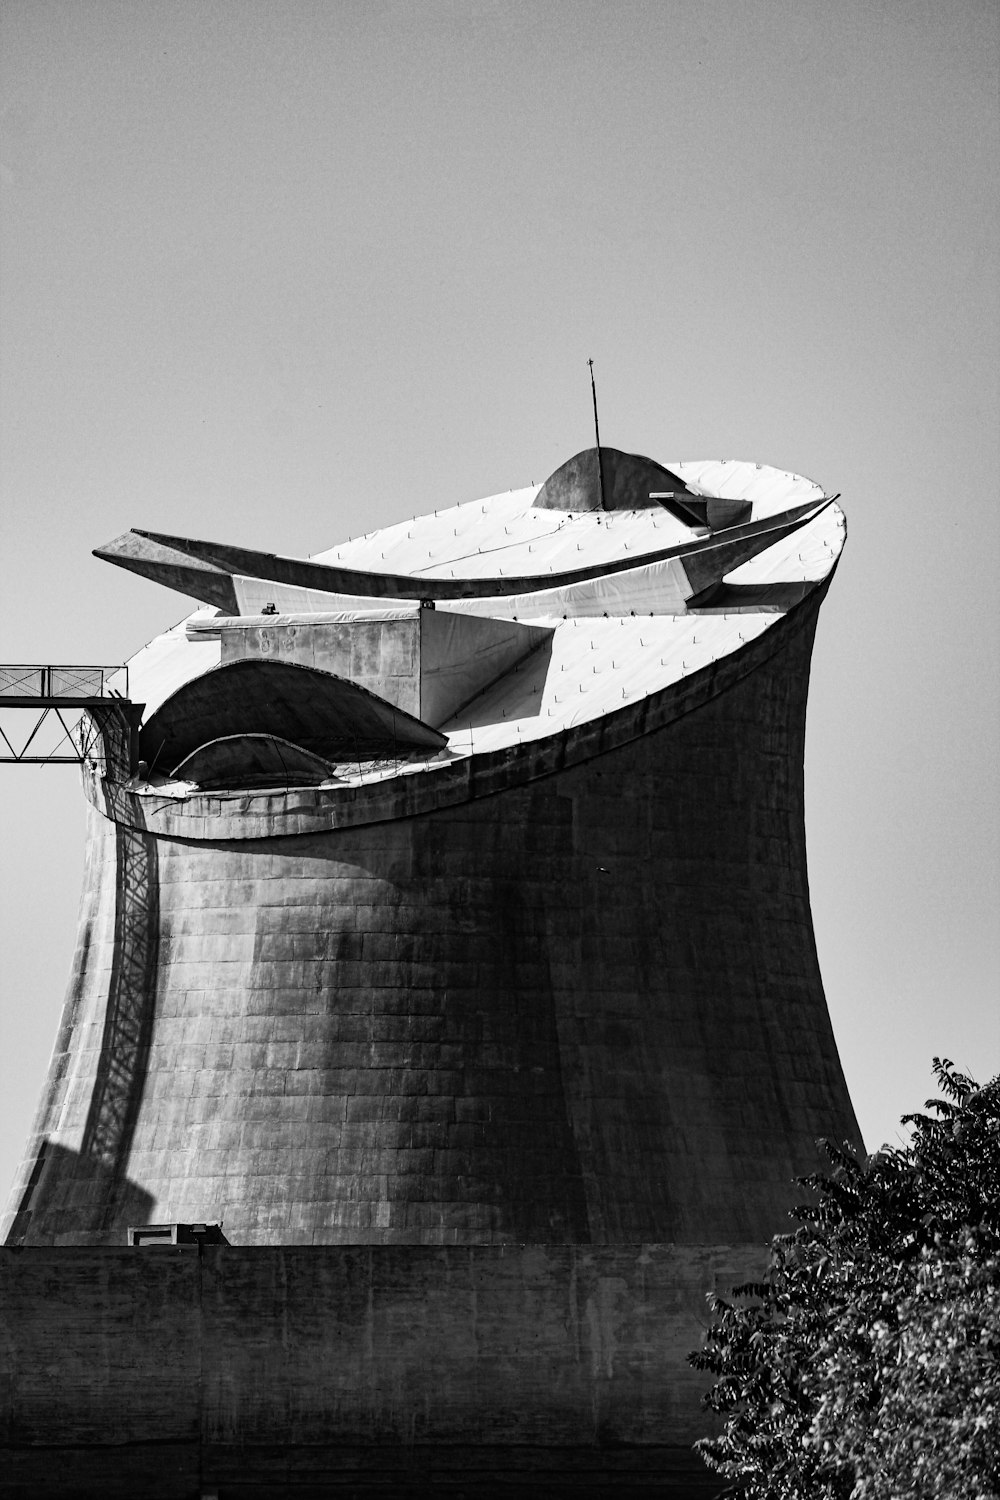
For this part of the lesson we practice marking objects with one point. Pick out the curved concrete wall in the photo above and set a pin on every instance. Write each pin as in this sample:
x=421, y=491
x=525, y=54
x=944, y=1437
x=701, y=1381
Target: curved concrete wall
x=586, y=1009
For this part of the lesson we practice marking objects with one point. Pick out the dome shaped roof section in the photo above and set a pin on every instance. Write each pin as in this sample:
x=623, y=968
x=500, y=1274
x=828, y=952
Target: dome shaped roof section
x=607, y=479
x=251, y=760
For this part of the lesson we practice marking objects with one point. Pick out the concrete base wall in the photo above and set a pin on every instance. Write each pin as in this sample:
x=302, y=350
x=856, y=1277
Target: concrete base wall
x=521, y=1370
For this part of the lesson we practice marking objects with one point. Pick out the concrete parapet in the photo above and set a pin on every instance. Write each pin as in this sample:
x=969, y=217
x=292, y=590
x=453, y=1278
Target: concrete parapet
x=518, y=1370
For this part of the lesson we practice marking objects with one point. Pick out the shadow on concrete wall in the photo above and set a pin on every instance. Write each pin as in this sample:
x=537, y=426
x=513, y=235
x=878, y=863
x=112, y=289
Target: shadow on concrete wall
x=80, y=1196
x=62, y=1202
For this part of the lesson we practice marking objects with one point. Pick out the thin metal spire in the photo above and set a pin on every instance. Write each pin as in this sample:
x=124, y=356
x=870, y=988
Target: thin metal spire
x=597, y=434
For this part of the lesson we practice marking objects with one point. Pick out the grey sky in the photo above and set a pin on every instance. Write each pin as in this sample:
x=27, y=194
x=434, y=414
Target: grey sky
x=278, y=274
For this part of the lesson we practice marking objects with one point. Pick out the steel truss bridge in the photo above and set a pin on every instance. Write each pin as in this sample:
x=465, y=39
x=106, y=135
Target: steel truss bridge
x=63, y=711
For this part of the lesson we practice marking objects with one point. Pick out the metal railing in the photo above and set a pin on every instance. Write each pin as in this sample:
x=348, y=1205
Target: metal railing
x=60, y=683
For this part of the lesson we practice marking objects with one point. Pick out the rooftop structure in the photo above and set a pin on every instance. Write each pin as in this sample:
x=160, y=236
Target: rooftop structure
x=578, y=576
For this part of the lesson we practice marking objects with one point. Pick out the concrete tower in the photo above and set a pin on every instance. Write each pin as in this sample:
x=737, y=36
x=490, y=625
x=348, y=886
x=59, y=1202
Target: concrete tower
x=451, y=903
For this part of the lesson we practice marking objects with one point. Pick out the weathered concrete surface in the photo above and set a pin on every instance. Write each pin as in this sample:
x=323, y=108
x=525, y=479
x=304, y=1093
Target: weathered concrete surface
x=427, y=662
x=382, y=656
x=176, y=569
x=403, y=1370
x=586, y=1010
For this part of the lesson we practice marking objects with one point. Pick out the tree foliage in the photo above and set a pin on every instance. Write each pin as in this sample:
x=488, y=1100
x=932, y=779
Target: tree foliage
x=866, y=1364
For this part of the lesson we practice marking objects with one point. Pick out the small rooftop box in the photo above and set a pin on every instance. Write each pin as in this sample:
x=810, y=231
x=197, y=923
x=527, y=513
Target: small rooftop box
x=174, y=1236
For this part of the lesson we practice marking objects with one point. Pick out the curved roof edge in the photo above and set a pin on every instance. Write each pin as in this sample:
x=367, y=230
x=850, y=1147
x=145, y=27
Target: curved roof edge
x=444, y=782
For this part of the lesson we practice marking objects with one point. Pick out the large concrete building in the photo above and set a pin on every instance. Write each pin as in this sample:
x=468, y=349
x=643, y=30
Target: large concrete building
x=446, y=937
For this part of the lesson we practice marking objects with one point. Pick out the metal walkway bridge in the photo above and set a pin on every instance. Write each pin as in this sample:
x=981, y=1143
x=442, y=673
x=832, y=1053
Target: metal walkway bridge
x=63, y=710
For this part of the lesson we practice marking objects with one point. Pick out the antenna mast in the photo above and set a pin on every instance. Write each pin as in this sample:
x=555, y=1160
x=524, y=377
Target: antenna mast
x=597, y=434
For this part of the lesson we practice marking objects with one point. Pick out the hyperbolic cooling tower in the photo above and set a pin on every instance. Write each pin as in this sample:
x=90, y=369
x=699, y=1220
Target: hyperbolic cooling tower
x=446, y=935
x=455, y=890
